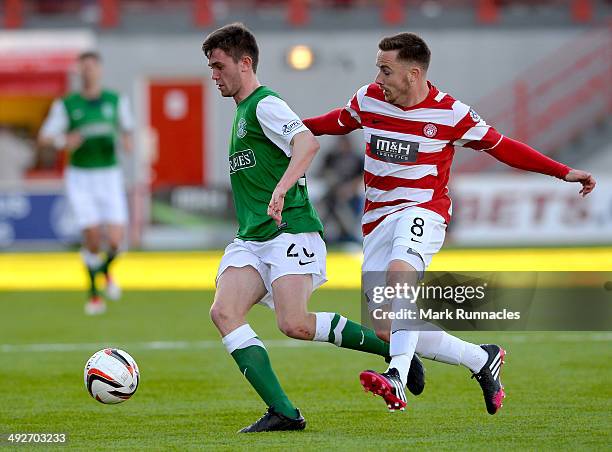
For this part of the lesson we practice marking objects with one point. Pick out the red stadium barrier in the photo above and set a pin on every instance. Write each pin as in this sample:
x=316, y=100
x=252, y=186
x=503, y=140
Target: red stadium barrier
x=298, y=12
x=393, y=12
x=582, y=10
x=109, y=13
x=487, y=12
x=204, y=15
x=13, y=13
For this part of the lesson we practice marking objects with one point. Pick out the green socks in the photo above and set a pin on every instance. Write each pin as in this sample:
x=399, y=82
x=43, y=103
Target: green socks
x=93, y=290
x=92, y=262
x=96, y=265
x=110, y=256
x=337, y=329
x=253, y=361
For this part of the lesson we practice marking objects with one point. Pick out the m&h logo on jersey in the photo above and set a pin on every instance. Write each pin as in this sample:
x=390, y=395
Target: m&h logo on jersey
x=430, y=130
x=290, y=126
x=241, y=160
x=394, y=151
x=242, y=130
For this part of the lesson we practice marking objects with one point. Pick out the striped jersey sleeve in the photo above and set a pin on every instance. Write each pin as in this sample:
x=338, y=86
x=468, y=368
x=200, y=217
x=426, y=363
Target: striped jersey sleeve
x=471, y=131
x=350, y=115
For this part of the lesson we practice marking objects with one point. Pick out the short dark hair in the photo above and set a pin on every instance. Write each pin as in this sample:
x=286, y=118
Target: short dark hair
x=234, y=39
x=90, y=54
x=411, y=48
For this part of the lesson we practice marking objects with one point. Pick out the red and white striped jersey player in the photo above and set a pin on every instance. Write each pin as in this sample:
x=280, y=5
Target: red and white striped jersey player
x=411, y=130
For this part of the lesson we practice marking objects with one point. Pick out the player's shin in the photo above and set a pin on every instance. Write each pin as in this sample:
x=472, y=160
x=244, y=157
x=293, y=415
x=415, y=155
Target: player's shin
x=440, y=346
x=252, y=358
x=338, y=330
x=110, y=257
x=92, y=263
x=403, y=338
x=401, y=349
x=112, y=289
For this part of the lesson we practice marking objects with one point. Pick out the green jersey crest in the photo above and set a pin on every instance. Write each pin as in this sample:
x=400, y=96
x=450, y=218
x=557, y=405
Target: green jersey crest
x=241, y=128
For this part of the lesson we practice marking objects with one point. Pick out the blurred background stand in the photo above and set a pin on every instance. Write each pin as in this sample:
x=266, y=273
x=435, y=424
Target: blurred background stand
x=341, y=207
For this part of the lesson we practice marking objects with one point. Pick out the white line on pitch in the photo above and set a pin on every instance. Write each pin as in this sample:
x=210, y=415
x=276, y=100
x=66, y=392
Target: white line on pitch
x=155, y=345
x=278, y=343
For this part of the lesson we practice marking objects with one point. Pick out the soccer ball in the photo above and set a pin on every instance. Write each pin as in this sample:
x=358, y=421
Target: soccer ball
x=111, y=376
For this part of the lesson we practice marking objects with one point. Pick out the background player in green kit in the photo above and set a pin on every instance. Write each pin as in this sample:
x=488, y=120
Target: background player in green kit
x=278, y=256
x=88, y=123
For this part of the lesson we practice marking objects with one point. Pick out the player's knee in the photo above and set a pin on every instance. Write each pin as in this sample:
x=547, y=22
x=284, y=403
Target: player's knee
x=397, y=265
x=296, y=329
x=92, y=244
x=383, y=335
x=400, y=272
x=115, y=240
x=220, y=314
x=93, y=248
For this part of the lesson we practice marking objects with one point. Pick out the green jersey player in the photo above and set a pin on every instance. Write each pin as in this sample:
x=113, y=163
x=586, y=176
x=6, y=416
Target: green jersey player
x=278, y=256
x=87, y=123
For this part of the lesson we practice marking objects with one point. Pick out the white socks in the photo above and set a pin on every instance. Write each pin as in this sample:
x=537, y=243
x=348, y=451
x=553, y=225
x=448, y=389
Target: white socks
x=241, y=337
x=403, y=339
x=441, y=346
x=92, y=260
x=436, y=345
x=401, y=348
x=323, y=326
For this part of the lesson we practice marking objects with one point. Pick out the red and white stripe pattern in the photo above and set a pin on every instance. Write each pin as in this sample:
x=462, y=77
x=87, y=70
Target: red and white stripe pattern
x=431, y=129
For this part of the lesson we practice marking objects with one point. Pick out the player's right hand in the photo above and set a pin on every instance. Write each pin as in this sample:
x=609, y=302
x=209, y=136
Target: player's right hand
x=586, y=179
x=275, y=208
x=73, y=140
x=128, y=142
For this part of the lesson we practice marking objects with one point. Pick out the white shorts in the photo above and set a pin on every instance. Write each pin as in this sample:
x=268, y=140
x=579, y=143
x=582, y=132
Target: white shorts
x=413, y=235
x=287, y=254
x=96, y=196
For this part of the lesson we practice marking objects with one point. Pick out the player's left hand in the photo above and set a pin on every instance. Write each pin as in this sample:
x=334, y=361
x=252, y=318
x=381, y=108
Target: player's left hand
x=275, y=208
x=73, y=140
x=586, y=179
x=128, y=142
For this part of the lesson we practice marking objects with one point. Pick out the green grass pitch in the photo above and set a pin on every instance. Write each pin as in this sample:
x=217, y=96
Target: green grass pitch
x=192, y=396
